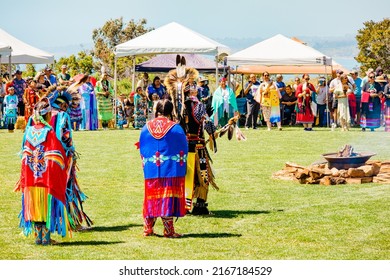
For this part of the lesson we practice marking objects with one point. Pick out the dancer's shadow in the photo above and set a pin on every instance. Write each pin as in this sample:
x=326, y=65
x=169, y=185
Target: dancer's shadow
x=113, y=228
x=211, y=235
x=88, y=243
x=229, y=214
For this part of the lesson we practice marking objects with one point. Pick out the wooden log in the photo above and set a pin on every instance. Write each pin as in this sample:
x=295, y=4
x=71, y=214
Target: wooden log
x=292, y=164
x=326, y=181
x=315, y=175
x=335, y=172
x=361, y=180
x=368, y=170
x=355, y=173
x=371, y=161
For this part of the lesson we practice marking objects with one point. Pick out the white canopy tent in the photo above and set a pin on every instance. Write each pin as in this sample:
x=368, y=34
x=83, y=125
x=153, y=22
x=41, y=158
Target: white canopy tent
x=280, y=51
x=170, y=38
x=23, y=53
x=5, y=50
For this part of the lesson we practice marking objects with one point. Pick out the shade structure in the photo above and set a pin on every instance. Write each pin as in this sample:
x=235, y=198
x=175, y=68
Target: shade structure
x=170, y=38
x=278, y=51
x=5, y=50
x=165, y=62
x=23, y=53
x=288, y=69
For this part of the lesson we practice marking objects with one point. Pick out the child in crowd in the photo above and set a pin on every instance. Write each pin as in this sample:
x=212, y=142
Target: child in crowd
x=11, y=108
x=155, y=99
x=76, y=115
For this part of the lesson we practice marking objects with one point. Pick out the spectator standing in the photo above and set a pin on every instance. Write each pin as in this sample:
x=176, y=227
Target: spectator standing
x=64, y=77
x=129, y=109
x=358, y=94
x=11, y=107
x=297, y=81
x=270, y=101
x=341, y=94
x=304, y=93
x=140, y=108
x=224, y=104
x=386, y=94
x=19, y=84
x=253, y=106
x=50, y=78
x=371, y=104
x=104, y=93
x=321, y=100
x=156, y=87
x=88, y=106
x=144, y=82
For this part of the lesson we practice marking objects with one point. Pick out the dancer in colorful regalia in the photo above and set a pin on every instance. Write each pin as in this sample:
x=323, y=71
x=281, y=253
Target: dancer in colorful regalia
x=192, y=116
x=60, y=99
x=163, y=148
x=199, y=173
x=43, y=179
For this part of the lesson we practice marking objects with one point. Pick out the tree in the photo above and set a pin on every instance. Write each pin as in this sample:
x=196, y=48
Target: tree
x=374, y=45
x=112, y=33
x=82, y=63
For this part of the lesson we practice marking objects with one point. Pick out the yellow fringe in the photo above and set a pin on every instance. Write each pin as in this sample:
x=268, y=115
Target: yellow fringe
x=35, y=203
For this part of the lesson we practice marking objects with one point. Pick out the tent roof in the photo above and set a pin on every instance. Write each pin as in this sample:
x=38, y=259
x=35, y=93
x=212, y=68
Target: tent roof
x=278, y=50
x=289, y=69
x=23, y=53
x=166, y=62
x=170, y=38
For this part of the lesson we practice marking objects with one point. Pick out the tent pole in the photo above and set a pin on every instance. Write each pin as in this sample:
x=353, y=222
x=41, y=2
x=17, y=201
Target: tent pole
x=216, y=69
x=115, y=90
x=133, y=76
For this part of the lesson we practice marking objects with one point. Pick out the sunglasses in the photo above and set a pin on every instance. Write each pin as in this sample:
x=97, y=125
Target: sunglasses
x=266, y=75
x=372, y=77
x=307, y=79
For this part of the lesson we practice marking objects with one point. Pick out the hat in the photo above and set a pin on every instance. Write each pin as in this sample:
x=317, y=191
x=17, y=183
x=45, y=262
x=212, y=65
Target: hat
x=222, y=79
x=9, y=88
x=64, y=66
x=202, y=79
x=339, y=71
x=381, y=79
x=132, y=93
x=18, y=72
x=48, y=68
x=279, y=76
x=369, y=71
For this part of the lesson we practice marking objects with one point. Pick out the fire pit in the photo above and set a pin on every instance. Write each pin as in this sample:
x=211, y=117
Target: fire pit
x=346, y=158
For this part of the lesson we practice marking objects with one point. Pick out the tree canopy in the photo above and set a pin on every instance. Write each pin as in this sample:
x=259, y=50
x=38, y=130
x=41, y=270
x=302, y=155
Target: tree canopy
x=115, y=32
x=374, y=45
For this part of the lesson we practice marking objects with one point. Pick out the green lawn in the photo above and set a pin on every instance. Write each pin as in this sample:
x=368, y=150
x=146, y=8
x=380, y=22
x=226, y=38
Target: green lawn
x=256, y=217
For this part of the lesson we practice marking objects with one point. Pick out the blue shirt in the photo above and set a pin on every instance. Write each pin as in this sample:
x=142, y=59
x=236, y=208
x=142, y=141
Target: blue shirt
x=358, y=89
x=281, y=85
x=160, y=91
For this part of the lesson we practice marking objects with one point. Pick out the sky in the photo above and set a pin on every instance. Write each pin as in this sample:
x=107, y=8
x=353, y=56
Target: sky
x=46, y=24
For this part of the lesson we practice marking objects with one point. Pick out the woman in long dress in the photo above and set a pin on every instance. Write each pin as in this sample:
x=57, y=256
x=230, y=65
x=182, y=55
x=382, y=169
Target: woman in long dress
x=371, y=104
x=140, y=108
x=88, y=106
x=304, y=93
x=341, y=93
x=270, y=101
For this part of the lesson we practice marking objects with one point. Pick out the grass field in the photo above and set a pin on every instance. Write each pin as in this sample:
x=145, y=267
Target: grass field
x=256, y=217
